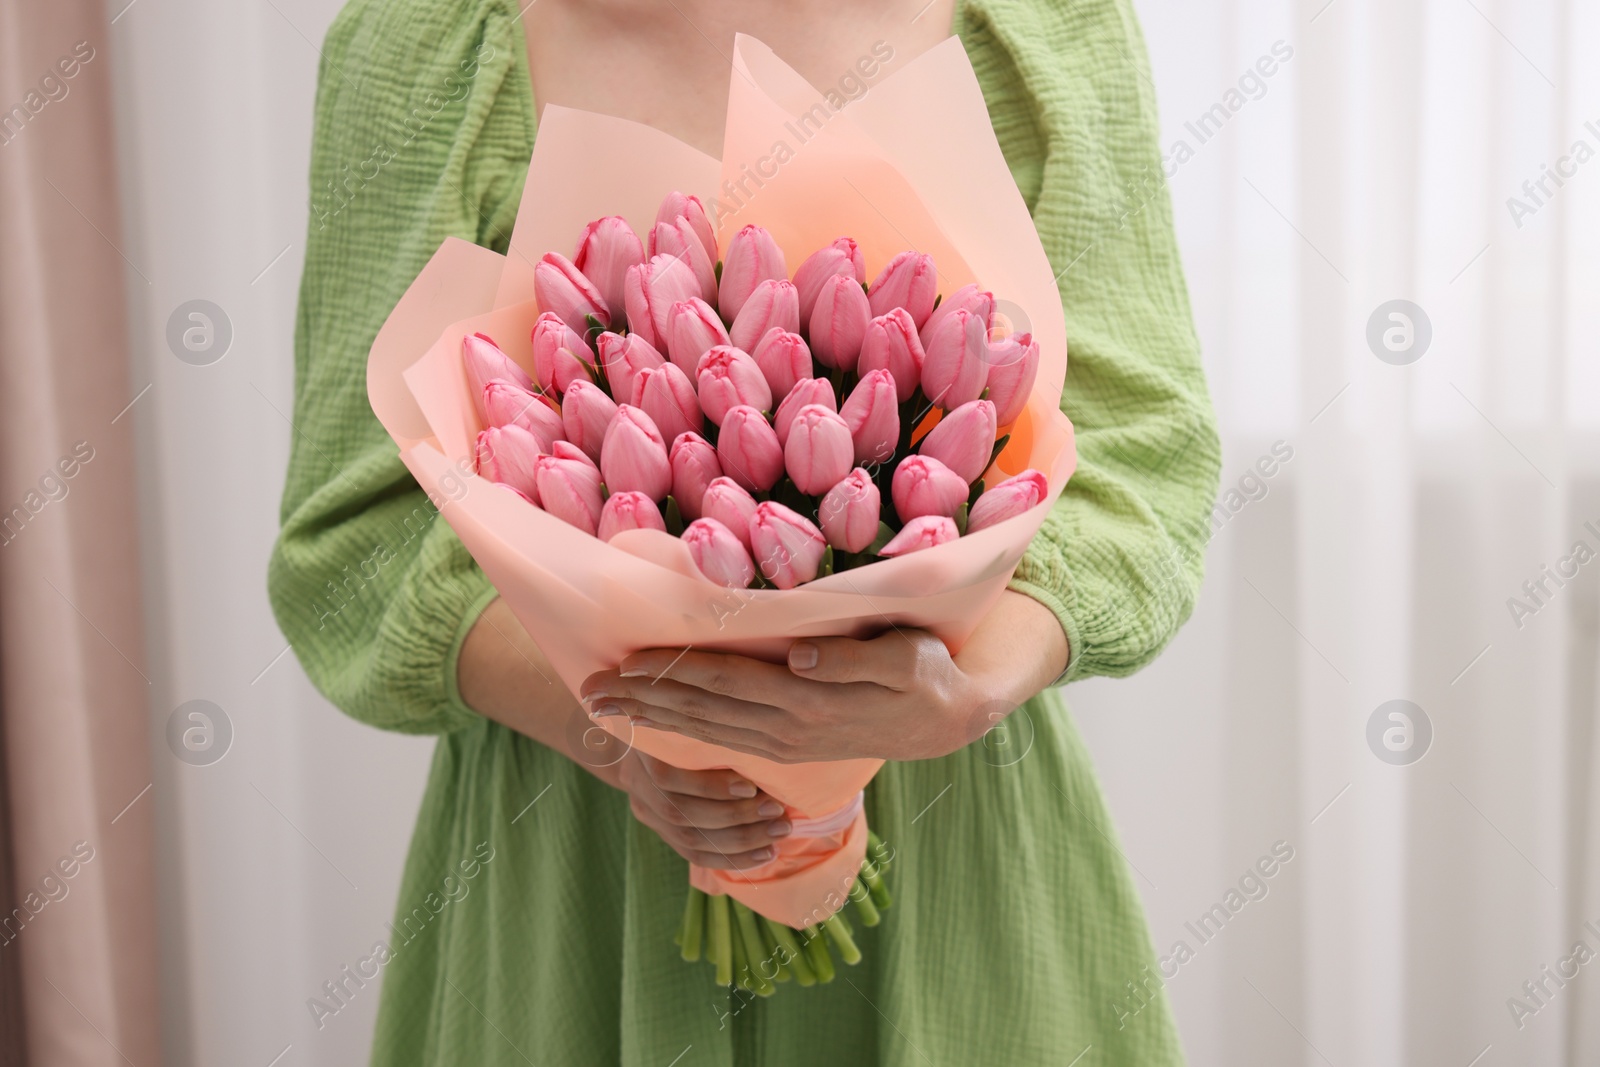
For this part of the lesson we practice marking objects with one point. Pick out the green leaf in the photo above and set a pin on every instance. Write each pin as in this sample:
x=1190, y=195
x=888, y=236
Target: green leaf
x=673, y=517
x=999, y=447
x=961, y=519
x=884, y=536
x=827, y=563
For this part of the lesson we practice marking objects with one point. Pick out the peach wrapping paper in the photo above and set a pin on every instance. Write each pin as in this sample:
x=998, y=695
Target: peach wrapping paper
x=913, y=164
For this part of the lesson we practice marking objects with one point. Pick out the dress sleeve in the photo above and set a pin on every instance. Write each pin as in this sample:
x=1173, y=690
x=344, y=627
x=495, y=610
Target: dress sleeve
x=1119, y=559
x=422, y=131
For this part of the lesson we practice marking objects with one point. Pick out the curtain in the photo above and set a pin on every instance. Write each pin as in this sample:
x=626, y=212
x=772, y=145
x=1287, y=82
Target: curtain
x=78, y=939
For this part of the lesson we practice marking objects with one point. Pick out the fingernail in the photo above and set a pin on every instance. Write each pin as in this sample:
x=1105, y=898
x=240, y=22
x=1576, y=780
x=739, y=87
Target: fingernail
x=635, y=672
x=769, y=808
x=741, y=788
x=605, y=710
x=779, y=828
x=802, y=656
x=598, y=694
x=761, y=855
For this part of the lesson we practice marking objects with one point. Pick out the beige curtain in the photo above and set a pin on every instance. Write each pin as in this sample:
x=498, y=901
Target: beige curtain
x=79, y=934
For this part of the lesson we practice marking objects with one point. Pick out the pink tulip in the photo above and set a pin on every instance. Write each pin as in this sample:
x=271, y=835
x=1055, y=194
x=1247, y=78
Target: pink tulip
x=678, y=239
x=787, y=546
x=693, y=209
x=633, y=457
x=1013, y=366
x=560, y=354
x=484, y=362
x=509, y=454
x=726, y=501
x=1007, y=500
x=872, y=413
x=586, y=412
x=667, y=396
x=970, y=298
x=607, y=248
x=963, y=440
x=561, y=288
x=727, y=378
x=649, y=291
x=719, y=553
x=924, y=486
x=624, y=357
x=569, y=489
x=910, y=281
x=806, y=391
x=565, y=449
x=752, y=257
x=841, y=257
x=505, y=403
x=849, y=512
x=774, y=304
x=891, y=343
x=818, y=452
x=694, y=468
x=839, y=322
x=693, y=329
x=748, y=449
x=925, y=531
x=784, y=359
x=628, y=511
x=956, y=367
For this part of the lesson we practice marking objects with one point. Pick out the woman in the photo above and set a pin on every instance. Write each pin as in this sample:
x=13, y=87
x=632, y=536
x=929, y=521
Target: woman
x=546, y=878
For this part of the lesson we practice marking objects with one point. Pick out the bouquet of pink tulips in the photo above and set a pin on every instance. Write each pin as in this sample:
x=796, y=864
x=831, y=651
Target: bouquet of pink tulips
x=785, y=429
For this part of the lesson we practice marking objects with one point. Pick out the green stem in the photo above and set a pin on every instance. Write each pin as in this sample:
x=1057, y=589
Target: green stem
x=754, y=950
x=873, y=876
x=793, y=957
x=719, y=939
x=817, y=954
x=839, y=930
x=772, y=952
x=741, y=960
x=694, y=921
x=861, y=893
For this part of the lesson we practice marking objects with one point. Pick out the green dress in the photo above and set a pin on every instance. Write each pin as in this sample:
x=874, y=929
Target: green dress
x=543, y=934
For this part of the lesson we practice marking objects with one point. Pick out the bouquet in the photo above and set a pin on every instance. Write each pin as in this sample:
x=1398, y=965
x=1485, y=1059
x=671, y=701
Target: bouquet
x=677, y=440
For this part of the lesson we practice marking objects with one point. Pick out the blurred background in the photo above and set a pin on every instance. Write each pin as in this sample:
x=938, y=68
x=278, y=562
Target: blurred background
x=1388, y=211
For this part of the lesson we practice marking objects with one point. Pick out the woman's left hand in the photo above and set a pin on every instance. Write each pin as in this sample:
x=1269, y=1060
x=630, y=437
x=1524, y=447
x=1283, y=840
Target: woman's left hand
x=898, y=696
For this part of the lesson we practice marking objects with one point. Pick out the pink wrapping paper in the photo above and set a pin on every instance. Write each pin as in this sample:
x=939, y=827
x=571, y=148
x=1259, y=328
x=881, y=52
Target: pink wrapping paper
x=882, y=171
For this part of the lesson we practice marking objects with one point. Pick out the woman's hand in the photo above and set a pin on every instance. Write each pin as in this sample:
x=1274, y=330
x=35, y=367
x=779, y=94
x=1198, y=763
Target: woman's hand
x=710, y=818
x=898, y=696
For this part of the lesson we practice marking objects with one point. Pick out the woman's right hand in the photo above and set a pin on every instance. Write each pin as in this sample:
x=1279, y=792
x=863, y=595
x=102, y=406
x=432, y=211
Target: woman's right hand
x=710, y=818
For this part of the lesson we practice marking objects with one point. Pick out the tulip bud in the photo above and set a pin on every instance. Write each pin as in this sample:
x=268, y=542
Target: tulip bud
x=838, y=323
x=509, y=454
x=607, y=248
x=910, y=281
x=1013, y=366
x=872, y=413
x=727, y=502
x=786, y=545
x=505, y=403
x=694, y=468
x=560, y=354
x=818, y=452
x=565, y=449
x=693, y=329
x=569, y=489
x=805, y=391
x=719, y=553
x=841, y=257
x=484, y=362
x=963, y=440
x=924, y=486
x=727, y=378
x=774, y=304
x=633, y=457
x=586, y=412
x=668, y=398
x=849, y=512
x=784, y=359
x=678, y=239
x=649, y=291
x=693, y=209
x=925, y=531
x=624, y=357
x=752, y=257
x=1007, y=500
x=748, y=449
x=561, y=289
x=956, y=366
x=629, y=511
x=891, y=343
x=969, y=298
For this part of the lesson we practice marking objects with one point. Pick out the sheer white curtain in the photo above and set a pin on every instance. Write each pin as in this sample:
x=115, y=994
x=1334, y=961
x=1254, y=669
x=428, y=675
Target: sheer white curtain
x=1405, y=505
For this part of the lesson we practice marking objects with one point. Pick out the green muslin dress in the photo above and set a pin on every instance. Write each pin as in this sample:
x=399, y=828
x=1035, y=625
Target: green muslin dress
x=543, y=935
